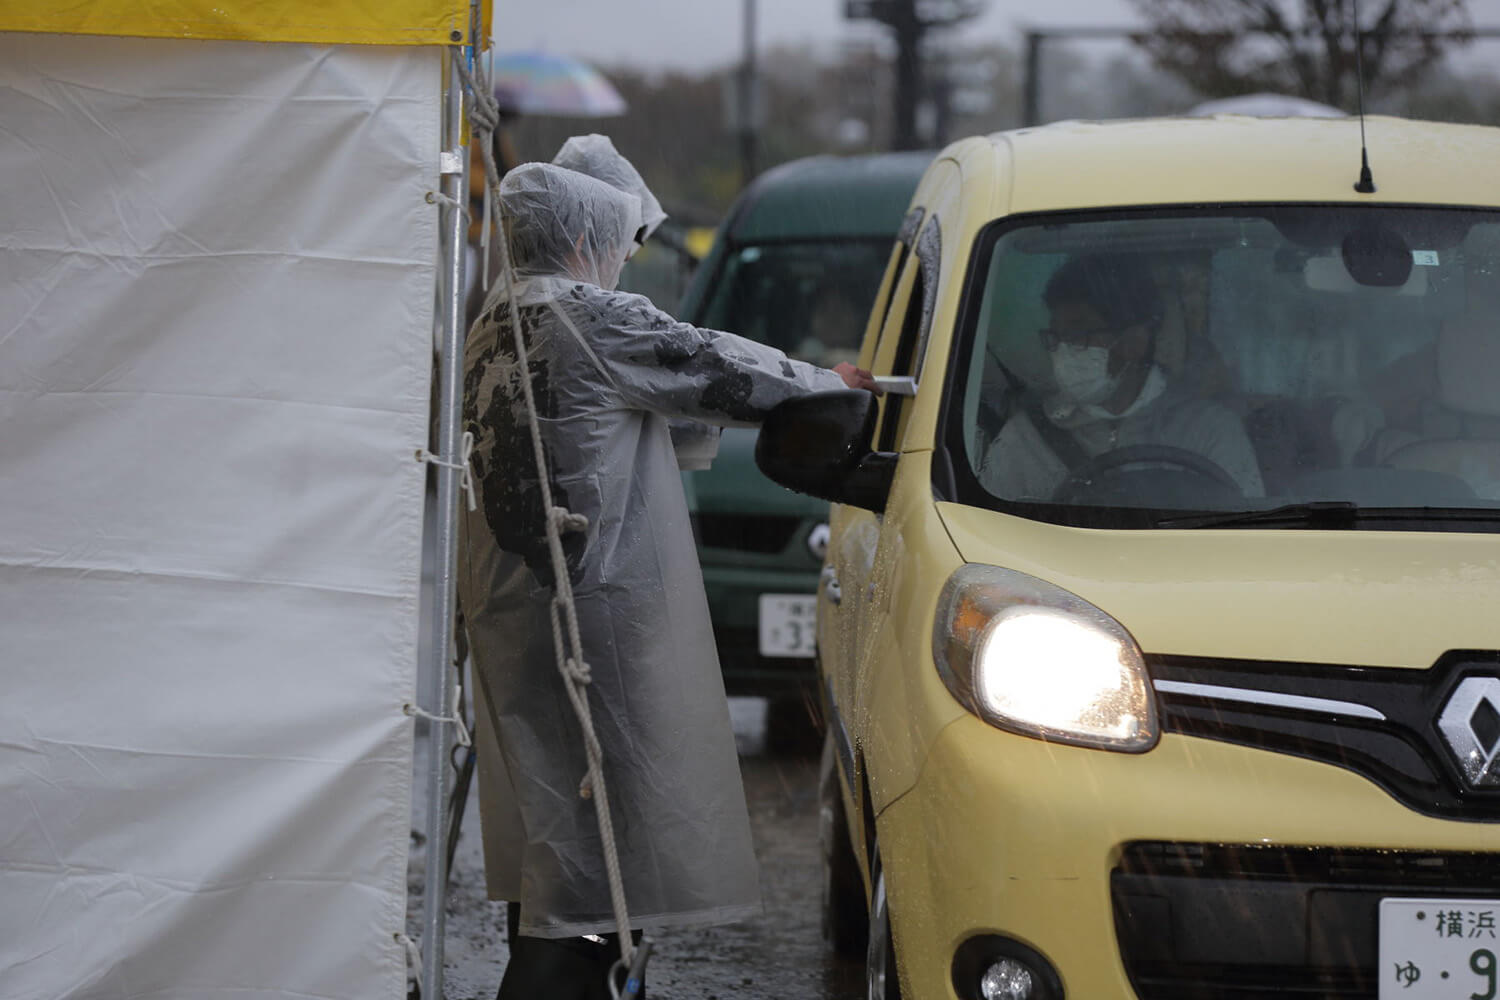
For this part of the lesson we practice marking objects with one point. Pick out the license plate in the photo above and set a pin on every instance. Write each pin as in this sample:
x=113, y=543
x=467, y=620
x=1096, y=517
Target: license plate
x=787, y=623
x=1439, y=949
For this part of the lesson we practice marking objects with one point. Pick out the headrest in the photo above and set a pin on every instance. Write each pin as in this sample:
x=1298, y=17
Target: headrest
x=1468, y=362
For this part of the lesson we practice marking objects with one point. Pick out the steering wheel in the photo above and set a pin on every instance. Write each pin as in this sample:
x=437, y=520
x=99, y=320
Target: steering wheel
x=1143, y=454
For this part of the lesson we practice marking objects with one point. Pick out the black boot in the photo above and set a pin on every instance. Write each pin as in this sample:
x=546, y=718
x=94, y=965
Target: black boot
x=572, y=968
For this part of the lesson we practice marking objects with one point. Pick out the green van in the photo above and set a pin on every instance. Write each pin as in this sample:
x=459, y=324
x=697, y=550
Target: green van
x=796, y=264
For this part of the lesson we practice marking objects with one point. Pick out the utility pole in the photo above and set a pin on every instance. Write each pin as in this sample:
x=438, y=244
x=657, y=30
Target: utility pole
x=1031, y=93
x=901, y=18
x=1031, y=99
x=910, y=21
x=748, y=110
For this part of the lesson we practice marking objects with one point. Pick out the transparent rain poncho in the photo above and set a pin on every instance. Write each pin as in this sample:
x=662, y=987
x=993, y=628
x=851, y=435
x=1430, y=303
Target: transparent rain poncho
x=596, y=156
x=694, y=442
x=608, y=370
x=564, y=224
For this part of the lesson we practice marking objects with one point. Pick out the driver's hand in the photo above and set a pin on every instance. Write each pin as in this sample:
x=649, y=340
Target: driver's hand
x=856, y=378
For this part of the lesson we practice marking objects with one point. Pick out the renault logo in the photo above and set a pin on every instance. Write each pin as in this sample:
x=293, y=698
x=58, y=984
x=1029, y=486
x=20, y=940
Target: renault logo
x=1470, y=725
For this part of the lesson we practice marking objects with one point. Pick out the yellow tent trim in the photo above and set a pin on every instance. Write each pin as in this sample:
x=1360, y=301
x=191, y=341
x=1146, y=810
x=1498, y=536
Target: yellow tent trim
x=357, y=22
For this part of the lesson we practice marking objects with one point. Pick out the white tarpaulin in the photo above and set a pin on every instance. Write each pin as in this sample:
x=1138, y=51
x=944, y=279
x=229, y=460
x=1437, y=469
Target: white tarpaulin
x=217, y=281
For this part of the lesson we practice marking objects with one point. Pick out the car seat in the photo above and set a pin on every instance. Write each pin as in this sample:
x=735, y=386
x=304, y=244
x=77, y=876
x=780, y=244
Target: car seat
x=1468, y=446
x=1297, y=438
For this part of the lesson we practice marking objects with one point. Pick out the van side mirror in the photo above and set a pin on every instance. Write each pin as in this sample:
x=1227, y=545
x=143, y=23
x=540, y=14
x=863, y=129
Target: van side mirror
x=819, y=444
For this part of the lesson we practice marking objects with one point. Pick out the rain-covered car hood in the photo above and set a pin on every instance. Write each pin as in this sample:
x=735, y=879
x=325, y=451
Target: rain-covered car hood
x=1372, y=598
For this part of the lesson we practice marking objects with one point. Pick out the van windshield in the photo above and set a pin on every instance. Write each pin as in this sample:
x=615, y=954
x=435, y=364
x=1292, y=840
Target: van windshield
x=1255, y=366
x=810, y=299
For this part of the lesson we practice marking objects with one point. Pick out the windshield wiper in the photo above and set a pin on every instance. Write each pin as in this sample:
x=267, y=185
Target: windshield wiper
x=1331, y=514
x=1317, y=514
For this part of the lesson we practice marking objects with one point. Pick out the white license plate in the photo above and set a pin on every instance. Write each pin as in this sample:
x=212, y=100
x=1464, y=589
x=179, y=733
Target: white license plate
x=787, y=624
x=1439, y=949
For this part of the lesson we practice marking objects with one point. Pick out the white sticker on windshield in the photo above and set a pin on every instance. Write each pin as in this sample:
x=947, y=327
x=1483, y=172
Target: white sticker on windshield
x=1424, y=258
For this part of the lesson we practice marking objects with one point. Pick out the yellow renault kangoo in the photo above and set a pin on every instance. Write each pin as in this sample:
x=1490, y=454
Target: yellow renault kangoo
x=1159, y=629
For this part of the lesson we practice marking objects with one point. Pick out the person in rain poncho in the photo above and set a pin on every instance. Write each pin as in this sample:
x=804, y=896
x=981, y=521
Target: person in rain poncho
x=596, y=156
x=694, y=441
x=608, y=370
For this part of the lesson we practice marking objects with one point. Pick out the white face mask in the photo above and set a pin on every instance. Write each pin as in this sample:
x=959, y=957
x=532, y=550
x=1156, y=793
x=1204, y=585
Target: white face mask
x=1082, y=373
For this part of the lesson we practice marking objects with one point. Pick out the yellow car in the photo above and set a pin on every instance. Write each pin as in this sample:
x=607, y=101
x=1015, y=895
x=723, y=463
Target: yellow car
x=1159, y=630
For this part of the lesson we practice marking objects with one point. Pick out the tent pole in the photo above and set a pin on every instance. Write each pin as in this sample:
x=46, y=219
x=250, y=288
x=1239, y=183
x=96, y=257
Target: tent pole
x=439, y=696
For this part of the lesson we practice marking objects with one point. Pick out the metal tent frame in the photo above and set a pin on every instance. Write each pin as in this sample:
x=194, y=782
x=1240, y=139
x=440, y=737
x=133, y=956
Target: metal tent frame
x=439, y=696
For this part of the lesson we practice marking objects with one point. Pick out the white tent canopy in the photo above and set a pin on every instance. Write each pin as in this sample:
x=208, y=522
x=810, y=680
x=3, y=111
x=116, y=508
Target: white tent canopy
x=218, y=278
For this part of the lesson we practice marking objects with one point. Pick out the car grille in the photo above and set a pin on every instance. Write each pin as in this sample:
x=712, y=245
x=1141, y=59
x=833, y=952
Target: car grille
x=747, y=533
x=1387, y=731
x=1200, y=921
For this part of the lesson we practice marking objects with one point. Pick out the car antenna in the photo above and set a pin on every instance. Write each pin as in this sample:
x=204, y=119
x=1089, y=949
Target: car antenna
x=1366, y=182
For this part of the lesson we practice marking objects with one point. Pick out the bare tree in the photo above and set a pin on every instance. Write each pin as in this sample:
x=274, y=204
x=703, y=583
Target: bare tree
x=1300, y=47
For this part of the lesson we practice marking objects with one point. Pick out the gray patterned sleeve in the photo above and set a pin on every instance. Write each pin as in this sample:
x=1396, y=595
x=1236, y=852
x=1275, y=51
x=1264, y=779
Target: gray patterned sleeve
x=679, y=370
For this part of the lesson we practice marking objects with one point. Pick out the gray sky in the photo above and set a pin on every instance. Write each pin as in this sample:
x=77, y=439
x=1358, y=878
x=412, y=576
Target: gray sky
x=700, y=34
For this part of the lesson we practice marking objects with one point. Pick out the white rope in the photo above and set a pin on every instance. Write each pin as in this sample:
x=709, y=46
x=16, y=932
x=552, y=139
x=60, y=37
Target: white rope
x=438, y=198
x=413, y=958
x=484, y=116
x=565, y=520
x=464, y=740
x=465, y=470
x=484, y=242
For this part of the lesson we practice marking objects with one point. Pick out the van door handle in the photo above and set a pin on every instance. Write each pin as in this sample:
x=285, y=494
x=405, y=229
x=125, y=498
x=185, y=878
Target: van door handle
x=831, y=588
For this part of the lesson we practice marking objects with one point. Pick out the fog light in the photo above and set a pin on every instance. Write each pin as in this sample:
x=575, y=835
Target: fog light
x=817, y=540
x=1006, y=979
x=992, y=967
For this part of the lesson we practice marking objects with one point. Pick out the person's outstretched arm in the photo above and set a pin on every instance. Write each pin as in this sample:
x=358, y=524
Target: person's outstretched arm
x=680, y=370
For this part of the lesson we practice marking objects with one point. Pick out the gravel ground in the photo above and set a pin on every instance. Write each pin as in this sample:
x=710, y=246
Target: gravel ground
x=779, y=955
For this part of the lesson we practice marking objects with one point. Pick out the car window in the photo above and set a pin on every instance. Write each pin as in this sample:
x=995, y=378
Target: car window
x=887, y=296
x=808, y=298
x=1275, y=356
x=900, y=347
x=900, y=363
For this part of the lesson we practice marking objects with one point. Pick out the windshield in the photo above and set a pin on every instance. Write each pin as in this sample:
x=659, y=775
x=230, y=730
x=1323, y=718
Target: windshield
x=1126, y=369
x=809, y=299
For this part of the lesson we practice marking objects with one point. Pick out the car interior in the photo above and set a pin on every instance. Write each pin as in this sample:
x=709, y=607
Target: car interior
x=1371, y=384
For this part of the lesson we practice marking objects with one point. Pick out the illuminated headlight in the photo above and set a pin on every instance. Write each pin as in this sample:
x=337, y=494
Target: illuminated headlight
x=1033, y=658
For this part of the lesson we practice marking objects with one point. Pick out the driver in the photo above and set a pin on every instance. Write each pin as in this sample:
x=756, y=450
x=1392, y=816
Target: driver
x=1105, y=312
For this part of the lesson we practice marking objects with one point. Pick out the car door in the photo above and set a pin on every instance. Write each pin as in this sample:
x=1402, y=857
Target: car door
x=898, y=352
x=853, y=532
x=849, y=601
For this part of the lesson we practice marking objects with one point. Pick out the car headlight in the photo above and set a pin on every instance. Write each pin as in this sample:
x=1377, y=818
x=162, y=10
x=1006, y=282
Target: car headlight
x=1032, y=658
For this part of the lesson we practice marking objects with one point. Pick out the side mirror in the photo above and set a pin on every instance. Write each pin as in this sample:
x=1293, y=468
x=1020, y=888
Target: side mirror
x=819, y=444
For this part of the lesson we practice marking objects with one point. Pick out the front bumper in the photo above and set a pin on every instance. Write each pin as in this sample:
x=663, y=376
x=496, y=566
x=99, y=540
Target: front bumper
x=1043, y=844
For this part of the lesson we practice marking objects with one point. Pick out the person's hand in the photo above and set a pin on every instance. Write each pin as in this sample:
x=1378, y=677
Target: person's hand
x=856, y=378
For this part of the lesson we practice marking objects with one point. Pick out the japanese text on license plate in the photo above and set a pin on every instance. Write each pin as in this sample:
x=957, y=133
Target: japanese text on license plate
x=1439, y=949
x=788, y=624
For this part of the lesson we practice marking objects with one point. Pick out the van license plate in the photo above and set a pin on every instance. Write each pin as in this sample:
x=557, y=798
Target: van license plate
x=787, y=624
x=1439, y=949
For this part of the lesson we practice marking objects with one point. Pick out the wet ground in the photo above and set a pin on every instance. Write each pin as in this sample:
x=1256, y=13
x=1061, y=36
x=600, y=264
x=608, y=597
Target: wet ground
x=780, y=955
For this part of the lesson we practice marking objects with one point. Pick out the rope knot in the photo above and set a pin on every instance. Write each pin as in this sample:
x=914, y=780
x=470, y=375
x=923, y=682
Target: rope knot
x=566, y=520
x=579, y=673
x=464, y=467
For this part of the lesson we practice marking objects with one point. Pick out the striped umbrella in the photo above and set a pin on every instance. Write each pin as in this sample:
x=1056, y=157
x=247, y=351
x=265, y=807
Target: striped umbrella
x=544, y=83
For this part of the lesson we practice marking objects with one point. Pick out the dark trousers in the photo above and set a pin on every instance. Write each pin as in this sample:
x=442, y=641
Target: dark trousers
x=571, y=968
